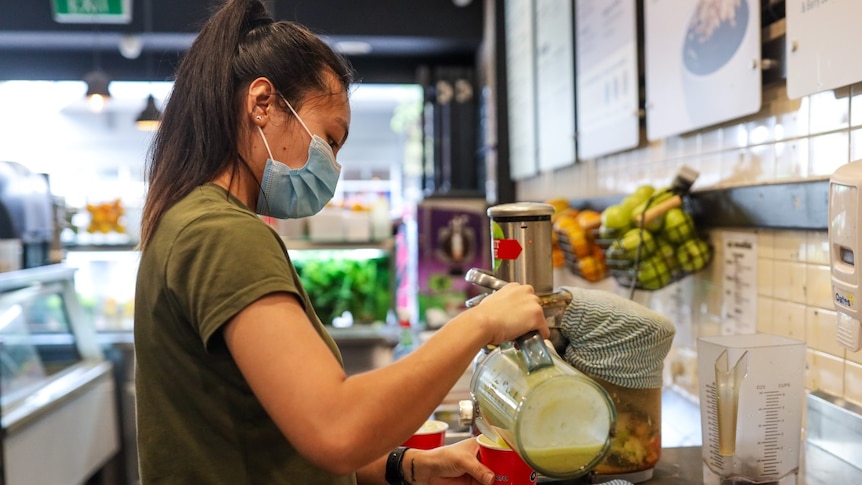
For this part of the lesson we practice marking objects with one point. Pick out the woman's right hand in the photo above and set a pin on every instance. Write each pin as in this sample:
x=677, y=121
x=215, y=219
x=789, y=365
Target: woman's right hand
x=511, y=312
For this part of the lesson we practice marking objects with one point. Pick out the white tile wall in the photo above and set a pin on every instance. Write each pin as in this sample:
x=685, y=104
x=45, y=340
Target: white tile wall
x=807, y=138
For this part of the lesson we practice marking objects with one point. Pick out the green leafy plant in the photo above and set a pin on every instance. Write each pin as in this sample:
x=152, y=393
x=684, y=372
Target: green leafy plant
x=336, y=284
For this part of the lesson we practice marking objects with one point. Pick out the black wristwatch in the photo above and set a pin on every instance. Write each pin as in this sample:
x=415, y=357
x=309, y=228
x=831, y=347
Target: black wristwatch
x=394, y=473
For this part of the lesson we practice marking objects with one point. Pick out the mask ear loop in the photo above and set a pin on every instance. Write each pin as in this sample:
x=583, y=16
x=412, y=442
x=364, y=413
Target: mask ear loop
x=265, y=143
x=297, y=117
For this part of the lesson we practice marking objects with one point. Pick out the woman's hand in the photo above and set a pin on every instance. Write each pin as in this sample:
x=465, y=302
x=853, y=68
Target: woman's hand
x=511, y=312
x=456, y=464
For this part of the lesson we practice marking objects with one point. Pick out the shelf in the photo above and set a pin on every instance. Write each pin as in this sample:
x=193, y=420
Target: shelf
x=305, y=244
x=793, y=205
x=101, y=247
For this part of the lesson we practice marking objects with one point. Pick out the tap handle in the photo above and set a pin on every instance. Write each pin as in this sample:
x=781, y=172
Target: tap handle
x=484, y=278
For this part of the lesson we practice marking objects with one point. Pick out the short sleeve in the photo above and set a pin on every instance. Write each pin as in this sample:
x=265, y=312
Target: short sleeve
x=220, y=264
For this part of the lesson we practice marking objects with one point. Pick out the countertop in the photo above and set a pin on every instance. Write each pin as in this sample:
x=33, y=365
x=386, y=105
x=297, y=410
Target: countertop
x=683, y=466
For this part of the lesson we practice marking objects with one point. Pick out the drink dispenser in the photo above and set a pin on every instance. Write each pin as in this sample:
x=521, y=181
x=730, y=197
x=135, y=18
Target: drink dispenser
x=555, y=417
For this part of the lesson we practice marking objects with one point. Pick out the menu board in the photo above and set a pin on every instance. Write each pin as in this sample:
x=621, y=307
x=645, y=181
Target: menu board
x=607, y=77
x=521, y=88
x=555, y=84
x=702, y=63
x=817, y=62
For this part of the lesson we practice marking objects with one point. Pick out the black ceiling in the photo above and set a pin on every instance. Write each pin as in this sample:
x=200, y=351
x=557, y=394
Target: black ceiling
x=404, y=35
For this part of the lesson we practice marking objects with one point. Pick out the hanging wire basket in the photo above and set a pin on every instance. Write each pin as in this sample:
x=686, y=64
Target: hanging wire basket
x=665, y=248
x=583, y=257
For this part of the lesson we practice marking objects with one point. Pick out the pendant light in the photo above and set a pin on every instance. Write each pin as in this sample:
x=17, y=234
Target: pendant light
x=97, y=89
x=97, y=80
x=150, y=117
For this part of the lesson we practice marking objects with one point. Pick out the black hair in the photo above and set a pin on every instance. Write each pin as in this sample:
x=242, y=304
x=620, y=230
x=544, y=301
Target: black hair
x=198, y=137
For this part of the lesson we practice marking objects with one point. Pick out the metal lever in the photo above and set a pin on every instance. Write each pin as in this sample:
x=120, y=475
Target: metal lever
x=532, y=345
x=485, y=279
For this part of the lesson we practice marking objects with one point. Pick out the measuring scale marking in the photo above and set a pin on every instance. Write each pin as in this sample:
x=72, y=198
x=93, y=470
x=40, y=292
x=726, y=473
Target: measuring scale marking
x=770, y=430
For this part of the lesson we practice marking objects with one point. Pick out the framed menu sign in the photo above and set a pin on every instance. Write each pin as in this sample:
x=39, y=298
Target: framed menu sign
x=607, y=76
x=521, y=88
x=555, y=84
x=822, y=45
x=702, y=63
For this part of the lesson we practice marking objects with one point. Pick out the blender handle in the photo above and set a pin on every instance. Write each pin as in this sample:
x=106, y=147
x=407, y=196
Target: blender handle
x=535, y=352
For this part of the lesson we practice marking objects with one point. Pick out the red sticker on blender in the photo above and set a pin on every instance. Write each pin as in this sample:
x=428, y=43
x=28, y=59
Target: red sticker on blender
x=507, y=249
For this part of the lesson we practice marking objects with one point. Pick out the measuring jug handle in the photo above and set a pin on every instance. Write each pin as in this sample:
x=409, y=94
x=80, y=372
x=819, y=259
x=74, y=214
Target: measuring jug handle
x=535, y=352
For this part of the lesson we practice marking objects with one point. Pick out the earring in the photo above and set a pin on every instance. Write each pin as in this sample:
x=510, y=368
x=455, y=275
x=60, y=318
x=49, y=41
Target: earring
x=258, y=118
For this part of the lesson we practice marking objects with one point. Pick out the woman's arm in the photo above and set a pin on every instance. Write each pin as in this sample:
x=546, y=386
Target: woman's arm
x=324, y=413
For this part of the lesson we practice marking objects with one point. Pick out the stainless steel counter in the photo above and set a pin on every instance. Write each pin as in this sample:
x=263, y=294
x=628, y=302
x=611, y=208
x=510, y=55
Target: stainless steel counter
x=683, y=466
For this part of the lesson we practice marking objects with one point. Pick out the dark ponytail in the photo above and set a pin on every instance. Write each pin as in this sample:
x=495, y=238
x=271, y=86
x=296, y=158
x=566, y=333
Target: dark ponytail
x=198, y=135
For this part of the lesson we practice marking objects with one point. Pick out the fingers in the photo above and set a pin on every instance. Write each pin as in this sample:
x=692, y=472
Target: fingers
x=514, y=310
x=470, y=464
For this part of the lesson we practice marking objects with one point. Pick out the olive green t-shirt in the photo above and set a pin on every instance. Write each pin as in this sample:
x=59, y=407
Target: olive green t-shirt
x=198, y=421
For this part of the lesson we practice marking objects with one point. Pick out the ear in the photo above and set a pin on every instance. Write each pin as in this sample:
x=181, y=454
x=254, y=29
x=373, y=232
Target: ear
x=260, y=97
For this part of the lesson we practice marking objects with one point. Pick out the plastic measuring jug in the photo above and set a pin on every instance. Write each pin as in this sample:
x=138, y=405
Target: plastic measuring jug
x=751, y=400
x=556, y=418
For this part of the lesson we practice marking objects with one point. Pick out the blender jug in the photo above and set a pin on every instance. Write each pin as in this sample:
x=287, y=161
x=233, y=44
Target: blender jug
x=555, y=417
x=751, y=397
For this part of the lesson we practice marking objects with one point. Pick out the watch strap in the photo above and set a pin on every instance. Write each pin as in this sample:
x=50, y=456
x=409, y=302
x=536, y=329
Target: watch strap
x=394, y=472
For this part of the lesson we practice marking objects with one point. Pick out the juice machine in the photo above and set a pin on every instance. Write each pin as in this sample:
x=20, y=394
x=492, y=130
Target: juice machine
x=26, y=213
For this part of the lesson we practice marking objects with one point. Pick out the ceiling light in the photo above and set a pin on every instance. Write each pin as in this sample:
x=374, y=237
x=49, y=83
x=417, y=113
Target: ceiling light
x=150, y=117
x=97, y=89
x=130, y=46
x=353, y=47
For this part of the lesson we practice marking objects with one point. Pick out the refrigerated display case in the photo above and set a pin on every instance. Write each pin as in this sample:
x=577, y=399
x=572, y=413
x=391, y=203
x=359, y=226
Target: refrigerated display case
x=57, y=392
x=352, y=287
x=346, y=277
x=105, y=283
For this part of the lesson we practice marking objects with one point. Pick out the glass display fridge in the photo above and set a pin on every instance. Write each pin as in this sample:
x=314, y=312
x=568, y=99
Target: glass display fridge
x=57, y=391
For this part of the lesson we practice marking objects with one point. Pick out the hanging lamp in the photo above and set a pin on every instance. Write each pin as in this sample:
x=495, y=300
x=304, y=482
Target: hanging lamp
x=97, y=89
x=97, y=80
x=150, y=117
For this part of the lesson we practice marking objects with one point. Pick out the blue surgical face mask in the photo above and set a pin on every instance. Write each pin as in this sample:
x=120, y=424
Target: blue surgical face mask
x=287, y=193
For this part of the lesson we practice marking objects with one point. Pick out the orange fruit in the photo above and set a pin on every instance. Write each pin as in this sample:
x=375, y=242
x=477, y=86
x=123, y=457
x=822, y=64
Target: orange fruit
x=559, y=203
x=579, y=241
x=589, y=219
x=569, y=213
x=591, y=269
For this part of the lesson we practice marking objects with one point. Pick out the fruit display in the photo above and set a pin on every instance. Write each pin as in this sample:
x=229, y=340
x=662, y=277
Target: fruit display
x=105, y=217
x=649, y=239
x=574, y=243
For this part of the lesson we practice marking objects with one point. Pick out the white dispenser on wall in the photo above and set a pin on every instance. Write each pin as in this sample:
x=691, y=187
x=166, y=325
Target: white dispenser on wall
x=845, y=209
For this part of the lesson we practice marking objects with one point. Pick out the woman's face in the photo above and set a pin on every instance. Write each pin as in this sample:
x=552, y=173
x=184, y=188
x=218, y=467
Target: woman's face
x=326, y=115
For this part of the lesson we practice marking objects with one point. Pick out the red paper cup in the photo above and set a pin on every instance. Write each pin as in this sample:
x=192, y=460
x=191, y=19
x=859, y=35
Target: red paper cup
x=508, y=467
x=431, y=435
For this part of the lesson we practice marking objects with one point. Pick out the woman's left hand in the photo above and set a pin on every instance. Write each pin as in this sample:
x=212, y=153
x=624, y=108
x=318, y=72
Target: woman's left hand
x=456, y=464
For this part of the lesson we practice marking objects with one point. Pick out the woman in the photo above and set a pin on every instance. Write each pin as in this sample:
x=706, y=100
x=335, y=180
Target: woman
x=238, y=382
